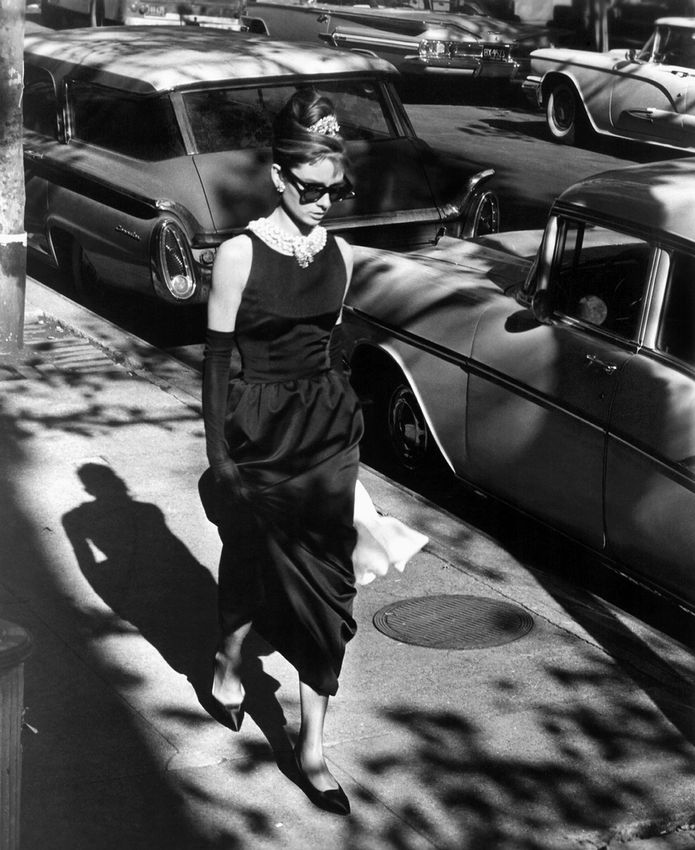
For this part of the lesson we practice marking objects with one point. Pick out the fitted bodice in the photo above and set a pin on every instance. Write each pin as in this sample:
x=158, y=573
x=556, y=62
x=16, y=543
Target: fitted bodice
x=287, y=313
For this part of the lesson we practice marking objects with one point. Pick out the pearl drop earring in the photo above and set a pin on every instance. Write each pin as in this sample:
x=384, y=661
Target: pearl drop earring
x=280, y=187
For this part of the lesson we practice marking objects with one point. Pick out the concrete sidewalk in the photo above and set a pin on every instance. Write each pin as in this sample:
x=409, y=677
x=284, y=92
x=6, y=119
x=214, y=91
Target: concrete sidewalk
x=579, y=734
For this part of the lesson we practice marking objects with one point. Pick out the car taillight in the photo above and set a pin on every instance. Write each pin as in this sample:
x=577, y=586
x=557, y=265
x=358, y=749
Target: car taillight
x=174, y=264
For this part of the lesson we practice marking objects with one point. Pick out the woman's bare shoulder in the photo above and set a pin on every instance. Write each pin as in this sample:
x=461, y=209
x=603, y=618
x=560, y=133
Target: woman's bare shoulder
x=234, y=249
x=233, y=262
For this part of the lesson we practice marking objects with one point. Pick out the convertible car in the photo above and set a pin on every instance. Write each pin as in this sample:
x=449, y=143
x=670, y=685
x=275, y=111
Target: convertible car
x=145, y=147
x=646, y=95
x=562, y=383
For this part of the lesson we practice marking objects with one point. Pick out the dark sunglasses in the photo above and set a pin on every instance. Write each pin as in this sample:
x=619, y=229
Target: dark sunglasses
x=309, y=193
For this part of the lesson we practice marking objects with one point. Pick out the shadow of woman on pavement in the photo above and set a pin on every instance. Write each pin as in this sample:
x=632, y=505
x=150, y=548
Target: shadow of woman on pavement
x=148, y=578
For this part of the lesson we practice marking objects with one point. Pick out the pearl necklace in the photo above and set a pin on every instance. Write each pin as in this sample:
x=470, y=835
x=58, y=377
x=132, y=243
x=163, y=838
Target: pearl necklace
x=302, y=248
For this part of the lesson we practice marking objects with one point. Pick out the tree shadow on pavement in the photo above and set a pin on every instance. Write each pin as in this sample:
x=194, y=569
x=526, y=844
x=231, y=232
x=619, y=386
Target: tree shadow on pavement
x=467, y=786
x=94, y=775
x=583, y=745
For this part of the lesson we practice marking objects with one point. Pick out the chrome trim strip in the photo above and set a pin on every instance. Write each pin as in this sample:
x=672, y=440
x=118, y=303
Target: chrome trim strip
x=353, y=38
x=674, y=470
x=474, y=367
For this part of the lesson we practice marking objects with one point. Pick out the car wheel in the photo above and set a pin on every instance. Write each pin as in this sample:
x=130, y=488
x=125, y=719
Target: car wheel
x=485, y=217
x=397, y=433
x=563, y=113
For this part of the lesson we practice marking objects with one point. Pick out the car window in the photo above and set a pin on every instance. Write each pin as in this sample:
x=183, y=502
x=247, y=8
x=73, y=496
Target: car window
x=236, y=119
x=600, y=276
x=142, y=127
x=677, y=331
x=671, y=46
x=39, y=102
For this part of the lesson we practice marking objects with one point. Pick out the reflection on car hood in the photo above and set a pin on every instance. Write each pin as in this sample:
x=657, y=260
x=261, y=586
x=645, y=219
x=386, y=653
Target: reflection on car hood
x=503, y=258
x=431, y=298
x=385, y=281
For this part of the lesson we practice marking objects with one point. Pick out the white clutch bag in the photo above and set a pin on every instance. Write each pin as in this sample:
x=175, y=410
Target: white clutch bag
x=382, y=541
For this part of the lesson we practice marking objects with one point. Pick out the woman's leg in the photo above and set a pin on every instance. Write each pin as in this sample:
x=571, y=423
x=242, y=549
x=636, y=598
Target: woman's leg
x=310, y=744
x=226, y=684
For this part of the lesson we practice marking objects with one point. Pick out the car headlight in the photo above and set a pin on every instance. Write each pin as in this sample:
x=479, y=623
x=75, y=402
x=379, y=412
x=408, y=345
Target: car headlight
x=173, y=260
x=430, y=48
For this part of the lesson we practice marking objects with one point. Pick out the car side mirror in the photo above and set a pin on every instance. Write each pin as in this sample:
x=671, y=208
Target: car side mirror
x=541, y=306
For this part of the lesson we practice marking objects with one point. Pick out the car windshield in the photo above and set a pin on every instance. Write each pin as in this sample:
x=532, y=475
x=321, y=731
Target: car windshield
x=671, y=46
x=236, y=119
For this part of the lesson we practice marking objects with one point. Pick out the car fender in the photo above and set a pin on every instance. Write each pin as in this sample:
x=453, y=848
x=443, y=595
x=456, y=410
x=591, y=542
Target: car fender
x=373, y=362
x=421, y=315
x=550, y=79
x=589, y=74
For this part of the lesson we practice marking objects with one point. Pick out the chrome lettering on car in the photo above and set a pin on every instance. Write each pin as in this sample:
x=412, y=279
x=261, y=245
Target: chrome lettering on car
x=131, y=233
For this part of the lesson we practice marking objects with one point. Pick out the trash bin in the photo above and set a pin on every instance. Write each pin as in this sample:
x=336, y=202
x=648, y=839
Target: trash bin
x=15, y=646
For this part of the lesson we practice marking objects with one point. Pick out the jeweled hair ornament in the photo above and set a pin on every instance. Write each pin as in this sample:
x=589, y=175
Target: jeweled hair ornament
x=326, y=126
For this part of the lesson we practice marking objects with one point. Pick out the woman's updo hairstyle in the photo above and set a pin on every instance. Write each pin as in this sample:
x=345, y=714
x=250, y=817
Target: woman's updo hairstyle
x=293, y=143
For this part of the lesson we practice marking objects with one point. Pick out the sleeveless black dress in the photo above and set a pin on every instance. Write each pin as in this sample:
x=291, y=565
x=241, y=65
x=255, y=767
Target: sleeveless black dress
x=293, y=427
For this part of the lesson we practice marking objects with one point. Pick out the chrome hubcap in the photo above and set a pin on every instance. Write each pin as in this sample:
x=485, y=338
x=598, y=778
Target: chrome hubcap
x=564, y=110
x=407, y=428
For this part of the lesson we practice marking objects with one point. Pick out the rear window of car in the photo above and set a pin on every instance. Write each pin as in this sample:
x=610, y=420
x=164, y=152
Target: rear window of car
x=236, y=119
x=141, y=127
x=39, y=108
x=677, y=331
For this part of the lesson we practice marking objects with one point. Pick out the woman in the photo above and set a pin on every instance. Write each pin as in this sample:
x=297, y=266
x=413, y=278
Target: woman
x=283, y=444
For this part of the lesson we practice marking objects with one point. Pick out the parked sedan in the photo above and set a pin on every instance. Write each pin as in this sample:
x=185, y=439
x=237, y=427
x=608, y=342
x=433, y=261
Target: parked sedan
x=145, y=147
x=562, y=384
x=413, y=37
x=647, y=96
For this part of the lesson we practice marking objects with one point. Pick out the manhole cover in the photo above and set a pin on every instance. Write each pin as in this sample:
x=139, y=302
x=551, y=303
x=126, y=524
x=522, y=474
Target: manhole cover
x=453, y=622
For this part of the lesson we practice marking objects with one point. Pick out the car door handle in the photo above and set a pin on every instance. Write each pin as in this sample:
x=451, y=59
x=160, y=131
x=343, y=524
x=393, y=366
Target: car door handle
x=608, y=368
x=647, y=113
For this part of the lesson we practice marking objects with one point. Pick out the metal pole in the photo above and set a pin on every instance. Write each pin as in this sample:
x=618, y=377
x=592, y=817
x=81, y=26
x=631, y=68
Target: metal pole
x=12, y=235
x=15, y=646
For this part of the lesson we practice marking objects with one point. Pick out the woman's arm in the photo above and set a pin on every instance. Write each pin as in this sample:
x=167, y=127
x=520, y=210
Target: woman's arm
x=229, y=275
x=230, y=272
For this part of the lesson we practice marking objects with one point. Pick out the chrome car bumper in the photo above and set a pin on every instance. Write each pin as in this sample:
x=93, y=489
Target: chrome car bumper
x=531, y=87
x=459, y=67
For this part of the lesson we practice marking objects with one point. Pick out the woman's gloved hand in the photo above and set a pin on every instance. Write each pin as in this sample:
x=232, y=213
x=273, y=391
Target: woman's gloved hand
x=228, y=480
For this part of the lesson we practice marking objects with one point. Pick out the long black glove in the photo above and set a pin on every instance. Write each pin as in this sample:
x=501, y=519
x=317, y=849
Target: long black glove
x=336, y=352
x=217, y=355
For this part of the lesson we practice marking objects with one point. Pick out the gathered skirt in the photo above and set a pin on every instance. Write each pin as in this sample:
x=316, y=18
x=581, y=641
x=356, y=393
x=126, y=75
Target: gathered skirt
x=286, y=562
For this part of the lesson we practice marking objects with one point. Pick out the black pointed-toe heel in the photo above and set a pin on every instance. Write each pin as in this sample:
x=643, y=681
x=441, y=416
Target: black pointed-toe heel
x=334, y=800
x=233, y=714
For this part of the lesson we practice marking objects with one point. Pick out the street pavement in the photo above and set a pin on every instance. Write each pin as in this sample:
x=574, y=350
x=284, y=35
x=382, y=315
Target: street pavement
x=579, y=734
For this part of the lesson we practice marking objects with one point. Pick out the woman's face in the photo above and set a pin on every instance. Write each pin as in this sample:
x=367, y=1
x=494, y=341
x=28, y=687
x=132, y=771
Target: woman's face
x=304, y=183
